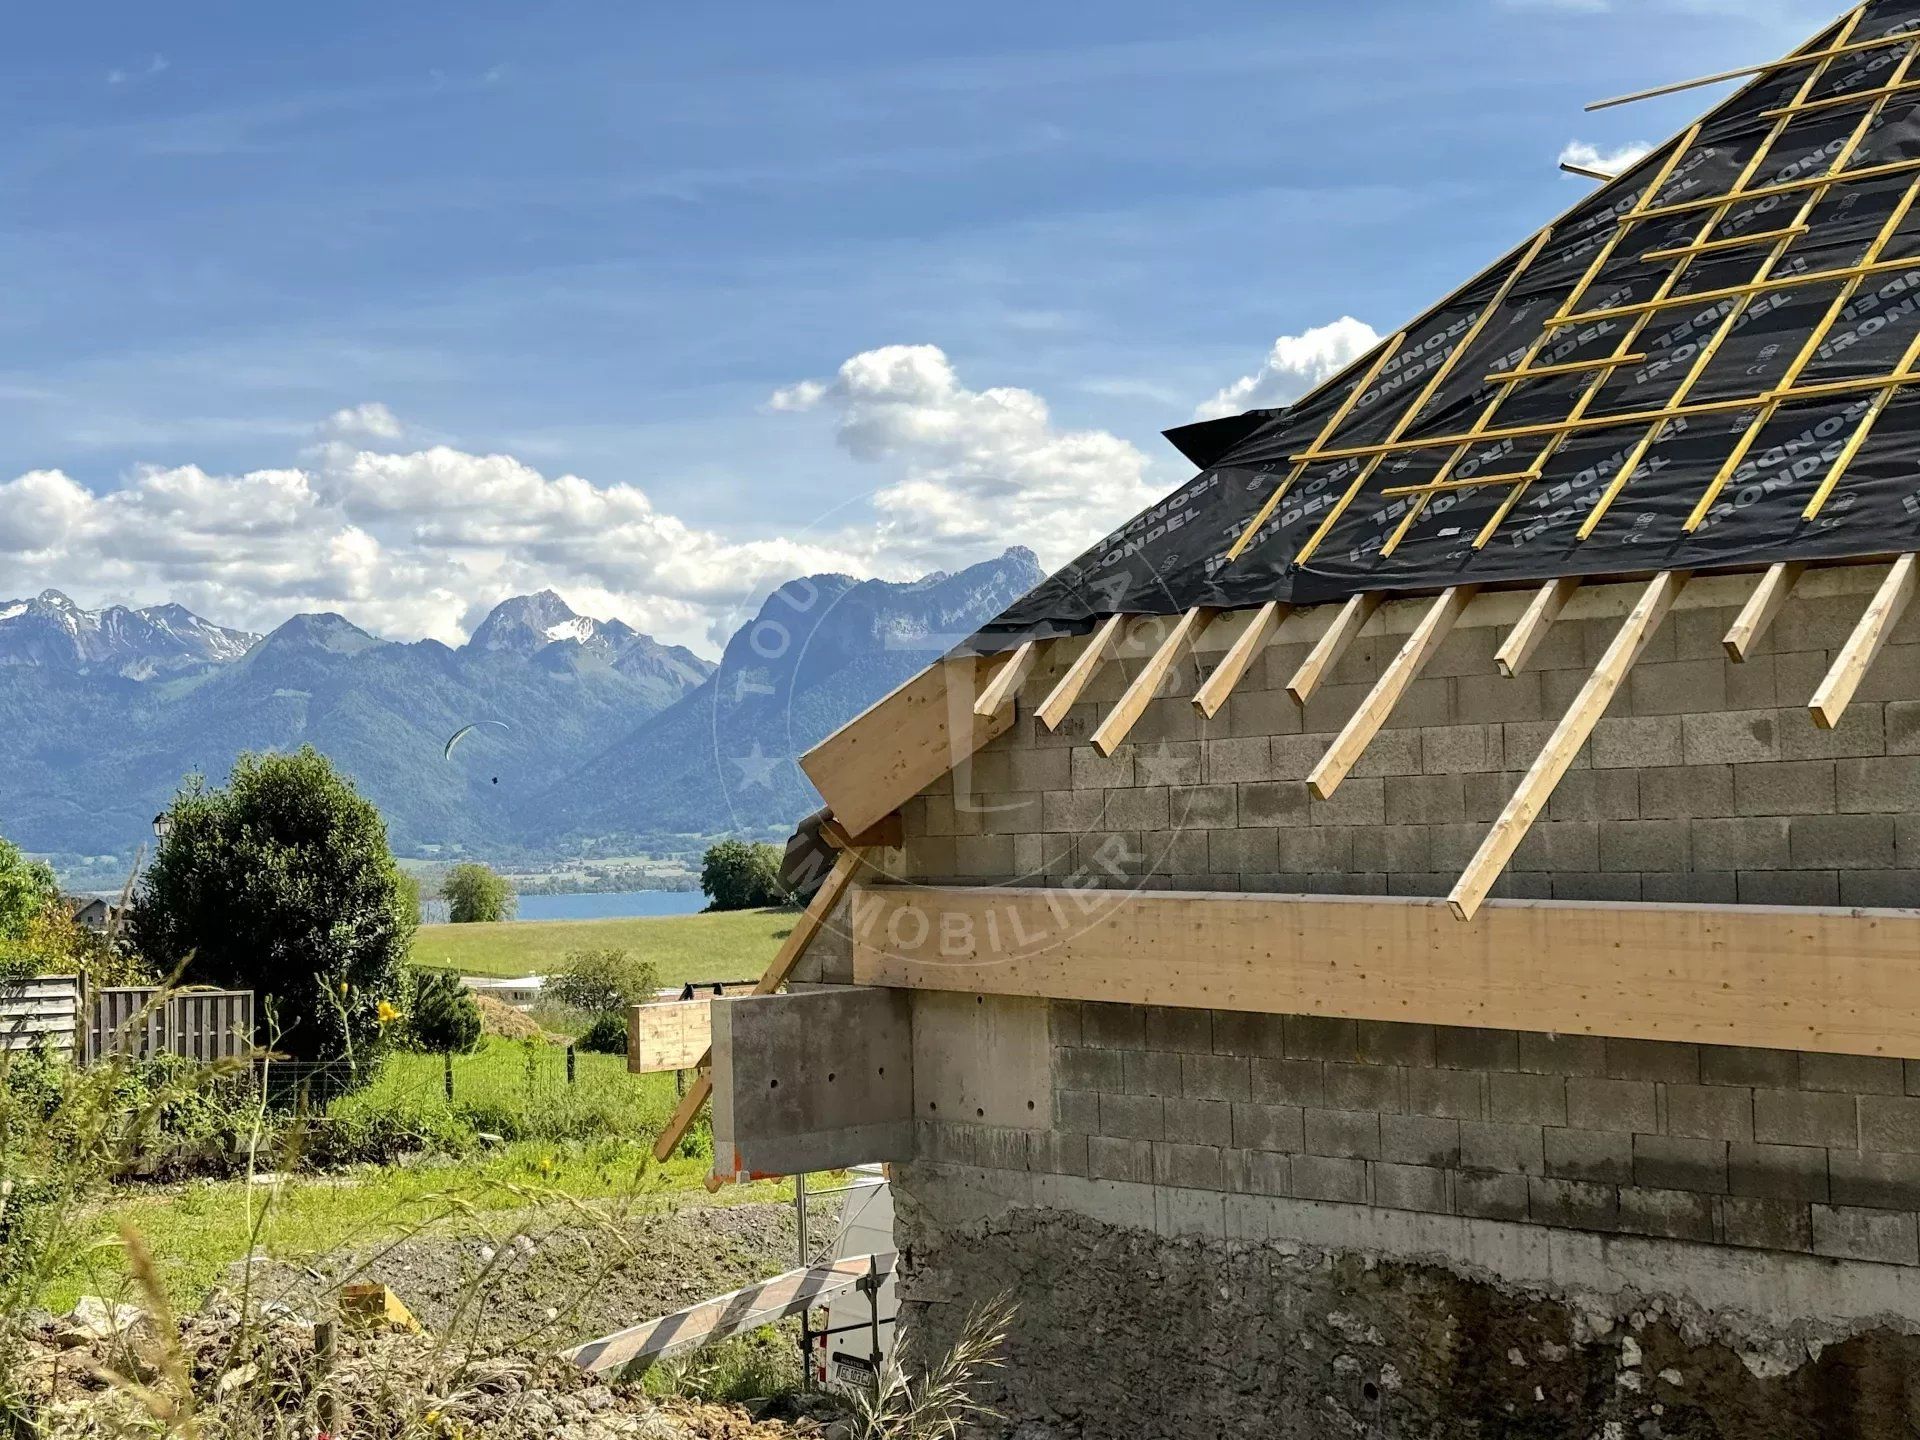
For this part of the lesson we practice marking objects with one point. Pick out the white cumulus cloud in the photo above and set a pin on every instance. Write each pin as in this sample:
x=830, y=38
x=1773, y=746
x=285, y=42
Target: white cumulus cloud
x=371, y=420
x=1294, y=366
x=1592, y=157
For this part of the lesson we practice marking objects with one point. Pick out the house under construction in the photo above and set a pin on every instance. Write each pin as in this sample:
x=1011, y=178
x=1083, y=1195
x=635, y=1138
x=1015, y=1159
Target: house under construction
x=1417, y=932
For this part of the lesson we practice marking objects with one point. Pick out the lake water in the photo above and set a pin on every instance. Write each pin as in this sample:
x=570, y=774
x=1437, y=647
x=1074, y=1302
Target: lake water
x=612, y=905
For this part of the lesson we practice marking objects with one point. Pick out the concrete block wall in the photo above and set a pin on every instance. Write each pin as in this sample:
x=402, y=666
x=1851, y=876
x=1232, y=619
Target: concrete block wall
x=1775, y=1150
x=1705, y=781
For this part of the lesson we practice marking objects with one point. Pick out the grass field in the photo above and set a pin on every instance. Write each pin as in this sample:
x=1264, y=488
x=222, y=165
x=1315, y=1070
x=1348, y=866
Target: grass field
x=735, y=945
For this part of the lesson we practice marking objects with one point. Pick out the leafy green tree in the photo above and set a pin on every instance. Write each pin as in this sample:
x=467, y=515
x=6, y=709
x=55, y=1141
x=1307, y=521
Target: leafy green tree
x=444, y=1018
x=477, y=894
x=602, y=982
x=742, y=875
x=27, y=887
x=606, y=1036
x=282, y=883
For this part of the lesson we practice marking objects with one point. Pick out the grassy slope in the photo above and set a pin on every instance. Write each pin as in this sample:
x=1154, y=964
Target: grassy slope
x=733, y=946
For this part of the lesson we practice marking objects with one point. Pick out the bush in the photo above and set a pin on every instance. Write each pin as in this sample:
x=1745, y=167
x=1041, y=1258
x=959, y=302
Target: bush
x=444, y=1018
x=741, y=875
x=602, y=982
x=282, y=883
x=606, y=1036
x=476, y=894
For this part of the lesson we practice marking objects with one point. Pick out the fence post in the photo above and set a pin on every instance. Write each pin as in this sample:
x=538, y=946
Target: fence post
x=569, y=1064
x=446, y=1070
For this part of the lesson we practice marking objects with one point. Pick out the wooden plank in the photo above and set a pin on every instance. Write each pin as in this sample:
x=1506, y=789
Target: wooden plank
x=1327, y=651
x=1245, y=649
x=1532, y=627
x=1128, y=709
x=1799, y=57
x=1832, y=980
x=1352, y=741
x=1092, y=656
x=901, y=744
x=1757, y=615
x=1007, y=680
x=1568, y=736
x=1851, y=664
x=791, y=949
x=748, y=1308
x=674, y=1035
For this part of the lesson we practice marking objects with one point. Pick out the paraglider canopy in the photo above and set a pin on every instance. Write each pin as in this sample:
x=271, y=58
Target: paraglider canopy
x=466, y=730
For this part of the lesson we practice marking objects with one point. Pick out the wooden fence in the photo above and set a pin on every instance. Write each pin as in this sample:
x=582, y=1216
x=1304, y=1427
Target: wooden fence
x=42, y=1011
x=196, y=1024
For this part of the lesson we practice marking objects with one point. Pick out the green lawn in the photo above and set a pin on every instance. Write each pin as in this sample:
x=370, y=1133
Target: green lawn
x=735, y=945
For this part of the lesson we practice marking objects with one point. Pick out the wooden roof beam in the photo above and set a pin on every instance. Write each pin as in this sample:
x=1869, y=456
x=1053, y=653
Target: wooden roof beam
x=1352, y=741
x=1758, y=614
x=1532, y=626
x=1092, y=656
x=1327, y=651
x=1530, y=798
x=1246, y=648
x=1851, y=664
x=998, y=692
x=1133, y=704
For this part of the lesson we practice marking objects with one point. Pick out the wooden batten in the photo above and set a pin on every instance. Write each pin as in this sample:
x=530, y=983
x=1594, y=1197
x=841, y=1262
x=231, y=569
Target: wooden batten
x=1756, y=617
x=1352, y=741
x=1327, y=651
x=1783, y=977
x=1530, y=798
x=1857, y=655
x=1092, y=656
x=998, y=692
x=1260, y=628
x=792, y=949
x=1128, y=709
x=1532, y=627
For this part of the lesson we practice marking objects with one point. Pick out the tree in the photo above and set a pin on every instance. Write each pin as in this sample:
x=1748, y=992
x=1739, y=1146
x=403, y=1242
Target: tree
x=742, y=875
x=282, y=883
x=602, y=982
x=476, y=894
x=27, y=888
x=444, y=1019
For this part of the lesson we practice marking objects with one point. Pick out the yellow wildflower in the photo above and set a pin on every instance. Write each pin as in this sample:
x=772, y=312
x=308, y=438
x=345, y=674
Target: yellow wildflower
x=387, y=1014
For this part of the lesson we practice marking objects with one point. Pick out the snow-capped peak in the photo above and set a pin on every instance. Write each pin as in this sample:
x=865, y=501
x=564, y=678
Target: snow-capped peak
x=52, y=630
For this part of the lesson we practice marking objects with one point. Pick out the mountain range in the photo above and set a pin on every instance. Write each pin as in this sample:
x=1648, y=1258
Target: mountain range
x=607, y=741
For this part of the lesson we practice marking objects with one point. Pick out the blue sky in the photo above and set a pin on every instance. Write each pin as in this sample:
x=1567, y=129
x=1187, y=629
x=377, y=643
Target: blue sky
x=599, y=238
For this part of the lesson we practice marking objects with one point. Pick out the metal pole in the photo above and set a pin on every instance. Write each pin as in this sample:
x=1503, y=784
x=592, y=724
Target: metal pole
x=873, y=1304
x=800, y=1218
x=569, y=1064
x=446, y=1071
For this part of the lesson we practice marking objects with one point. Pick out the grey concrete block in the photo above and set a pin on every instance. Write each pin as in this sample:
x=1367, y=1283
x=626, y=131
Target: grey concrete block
x=1240, y=1032
x=1666, y=1162
x=1260, y=1172
x=1320, y=1177
x=1677, y=687
x=1645, y=845
x=1047, y=857
x=1709, y=1112
x=1486, y=796
x=1268, y=803
x=1902, y=732
x=1113, y=1027
x=1715, y=736
x=1063, y=1022
x=1675, y=1062
x=1238, y=758
x=1749, y=1065
x=1072, y=811
x=1349, y=1134
x=1839, y=842
x=1077, y=1111
x=1191, y=1167
x=1462, y=749
x=1321, y=1037
x=1199, y=1122
x=1673, y=1214
x=1765, y=1224
x=1874, y=1178
x=1258, y=712
x=1490, y=698
x=1777, y=1172
x=1562, y=1054
x=1490, y=1195
x=1574, y=1204
x=1392, y=849
x=1887, y=889
x=1168, y=719
x=1216, y=1077
x=1388, y=1042
x=1360, y=800
x=1634, y=741
x=1623, y=1105
x=1056, y=1152
x=1268, y=1127
x=1492, y=1145
x=1203, y=807
x=1789, y=887
x=1175, y=1027
x=1906, y=841
x=1859, y=1074
x=1243, y=852
x=1356, y=1086
x=1420, y=1140
x=1789, y=787
x=1037, y=769
x=1873, y=786
x=1601, y=795
x=1529, y=1099
x=1151, y=1072
x=1132, y=1117
x=1465, y=1047
x=1111, y=1158
x=1622, y=886
x=1562, y=845
x=1448, y=1094
x=1852, y=1233
x=1083, y=1068
x=1289, y=1082
x=983, y=857
x=1601, y=1156
x=1392, y=751
x=1800, y=1117
x=1685, y=792
x=1424, y=800
x=1093, y=771
x=1889, y=1122
x=1412, y=1187
x=1861, y=732
x=1137, y=809
x=1315, y=849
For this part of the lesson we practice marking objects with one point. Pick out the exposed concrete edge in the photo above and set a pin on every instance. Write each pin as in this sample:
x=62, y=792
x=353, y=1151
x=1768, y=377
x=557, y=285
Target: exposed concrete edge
x=1800, y=1294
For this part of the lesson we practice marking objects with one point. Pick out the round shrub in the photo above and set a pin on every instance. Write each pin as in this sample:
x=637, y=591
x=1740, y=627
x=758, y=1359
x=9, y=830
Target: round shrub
x=445, y=1019
x=606, y=1036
